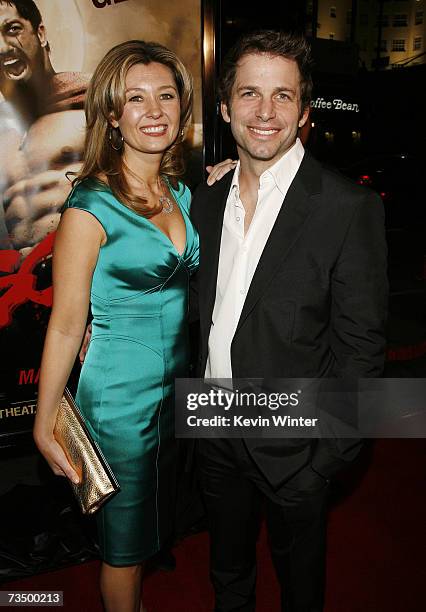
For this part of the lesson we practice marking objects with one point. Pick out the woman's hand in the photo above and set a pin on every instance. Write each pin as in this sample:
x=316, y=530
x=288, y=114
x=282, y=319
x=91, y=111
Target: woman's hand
x=55, y=456
x=219, y=170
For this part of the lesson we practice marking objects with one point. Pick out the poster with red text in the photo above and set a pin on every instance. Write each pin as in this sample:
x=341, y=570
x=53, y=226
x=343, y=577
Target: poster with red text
x=47, y=54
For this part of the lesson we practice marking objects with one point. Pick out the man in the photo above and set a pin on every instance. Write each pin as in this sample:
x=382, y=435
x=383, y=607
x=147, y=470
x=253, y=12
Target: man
x=292, y=283
x=41, y=126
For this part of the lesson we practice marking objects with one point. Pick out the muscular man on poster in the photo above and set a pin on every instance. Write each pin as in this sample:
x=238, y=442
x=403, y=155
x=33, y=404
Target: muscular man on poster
x=41, y=127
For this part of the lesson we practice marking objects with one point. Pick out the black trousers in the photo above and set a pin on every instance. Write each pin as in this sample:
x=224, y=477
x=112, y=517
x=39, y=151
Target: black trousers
x=234, y=492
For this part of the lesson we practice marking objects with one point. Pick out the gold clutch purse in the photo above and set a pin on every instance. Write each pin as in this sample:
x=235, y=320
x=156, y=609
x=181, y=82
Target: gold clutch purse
x=97, y=481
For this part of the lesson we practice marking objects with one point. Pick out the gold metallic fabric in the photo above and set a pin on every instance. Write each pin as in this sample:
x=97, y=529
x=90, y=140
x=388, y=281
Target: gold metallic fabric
x=97, y=481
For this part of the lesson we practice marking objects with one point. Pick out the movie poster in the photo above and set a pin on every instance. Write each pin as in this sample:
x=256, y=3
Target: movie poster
x=48, y=52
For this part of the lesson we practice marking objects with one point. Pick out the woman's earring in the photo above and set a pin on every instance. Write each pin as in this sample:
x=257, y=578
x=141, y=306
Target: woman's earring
x=115, y=138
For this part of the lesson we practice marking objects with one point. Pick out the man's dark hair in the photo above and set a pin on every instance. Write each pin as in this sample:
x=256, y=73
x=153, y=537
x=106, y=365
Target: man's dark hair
x=27, y=10
x=276, y=44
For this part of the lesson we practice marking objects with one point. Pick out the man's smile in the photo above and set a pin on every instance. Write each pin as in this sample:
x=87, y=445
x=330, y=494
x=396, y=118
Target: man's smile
x=264, y=131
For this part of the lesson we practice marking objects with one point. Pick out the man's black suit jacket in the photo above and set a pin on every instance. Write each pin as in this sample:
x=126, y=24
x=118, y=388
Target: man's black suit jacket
x=317, y=303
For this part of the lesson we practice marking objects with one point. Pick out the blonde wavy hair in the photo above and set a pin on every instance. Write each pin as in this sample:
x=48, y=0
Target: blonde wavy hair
x=105, y=98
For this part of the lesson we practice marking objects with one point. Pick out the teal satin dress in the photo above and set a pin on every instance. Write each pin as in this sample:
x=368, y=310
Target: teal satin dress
x=139, y=300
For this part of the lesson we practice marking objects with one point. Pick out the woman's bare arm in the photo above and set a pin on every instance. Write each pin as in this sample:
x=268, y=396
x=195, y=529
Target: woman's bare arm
x=78, y=240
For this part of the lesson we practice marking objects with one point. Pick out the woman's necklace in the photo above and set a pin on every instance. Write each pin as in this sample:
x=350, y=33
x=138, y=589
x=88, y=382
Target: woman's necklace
x=164, y=201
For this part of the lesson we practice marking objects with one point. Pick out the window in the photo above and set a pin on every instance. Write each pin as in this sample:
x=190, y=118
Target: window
x=400, y=21
x=417, y=43
x=384, y=21
x=329, y=137
x=333, y=12
x=398, y=44
x=418, y=19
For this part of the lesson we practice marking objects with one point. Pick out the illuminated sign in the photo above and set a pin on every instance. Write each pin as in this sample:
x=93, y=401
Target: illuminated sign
x=336, y=104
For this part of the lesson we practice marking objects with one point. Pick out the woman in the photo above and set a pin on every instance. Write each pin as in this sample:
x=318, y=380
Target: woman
x=125, y=243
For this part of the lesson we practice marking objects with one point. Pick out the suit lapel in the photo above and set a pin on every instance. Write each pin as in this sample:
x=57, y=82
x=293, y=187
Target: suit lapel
x=210, y=237
x=297, y=206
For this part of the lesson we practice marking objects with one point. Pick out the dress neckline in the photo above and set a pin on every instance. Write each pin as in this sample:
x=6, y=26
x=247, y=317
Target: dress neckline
x=146, y=220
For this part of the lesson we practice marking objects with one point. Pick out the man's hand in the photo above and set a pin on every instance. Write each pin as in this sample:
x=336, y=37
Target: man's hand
x=219, y=170
x=86, y=342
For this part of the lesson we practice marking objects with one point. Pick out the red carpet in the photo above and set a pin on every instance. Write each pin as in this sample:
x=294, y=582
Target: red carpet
x=376, y=551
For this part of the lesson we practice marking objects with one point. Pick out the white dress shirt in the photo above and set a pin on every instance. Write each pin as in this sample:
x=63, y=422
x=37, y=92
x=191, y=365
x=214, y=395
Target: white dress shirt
x=240, y=254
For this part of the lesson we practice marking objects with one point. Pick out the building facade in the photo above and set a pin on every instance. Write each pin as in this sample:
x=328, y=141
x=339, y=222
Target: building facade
x=389, y=33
